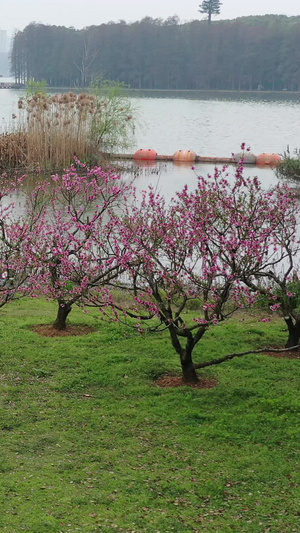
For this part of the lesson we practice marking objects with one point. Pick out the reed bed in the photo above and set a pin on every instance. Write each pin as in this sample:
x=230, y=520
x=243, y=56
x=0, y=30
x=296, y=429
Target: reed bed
x=13, y=150
x=50, y=130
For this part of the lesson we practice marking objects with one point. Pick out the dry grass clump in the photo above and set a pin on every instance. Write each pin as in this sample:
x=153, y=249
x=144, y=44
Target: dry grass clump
x=51, y=129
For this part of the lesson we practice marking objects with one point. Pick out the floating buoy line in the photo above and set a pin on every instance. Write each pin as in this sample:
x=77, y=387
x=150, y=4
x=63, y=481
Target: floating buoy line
x=189, y=156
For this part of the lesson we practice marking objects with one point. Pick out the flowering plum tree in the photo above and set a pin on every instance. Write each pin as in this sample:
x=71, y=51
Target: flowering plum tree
x=72, y=241
x=214, y=245
x=261, y=247
x=280, y=284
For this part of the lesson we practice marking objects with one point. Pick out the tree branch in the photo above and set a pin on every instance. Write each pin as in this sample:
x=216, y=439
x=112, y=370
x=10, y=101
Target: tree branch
x=241, y=354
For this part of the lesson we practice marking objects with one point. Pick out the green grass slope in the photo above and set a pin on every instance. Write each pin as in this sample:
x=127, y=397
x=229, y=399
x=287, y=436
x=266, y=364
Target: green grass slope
x=89, y=443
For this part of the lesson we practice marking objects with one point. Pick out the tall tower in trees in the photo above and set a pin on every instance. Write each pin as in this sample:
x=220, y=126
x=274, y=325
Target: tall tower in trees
x=210, y=7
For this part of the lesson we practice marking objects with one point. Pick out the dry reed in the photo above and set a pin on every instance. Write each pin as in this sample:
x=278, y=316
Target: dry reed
x=51, y=129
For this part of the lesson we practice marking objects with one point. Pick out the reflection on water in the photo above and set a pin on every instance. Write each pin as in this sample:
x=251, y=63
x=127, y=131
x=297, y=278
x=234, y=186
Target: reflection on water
x=168, y=178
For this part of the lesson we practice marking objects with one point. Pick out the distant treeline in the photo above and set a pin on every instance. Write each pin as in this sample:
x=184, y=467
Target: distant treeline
x=248, y=53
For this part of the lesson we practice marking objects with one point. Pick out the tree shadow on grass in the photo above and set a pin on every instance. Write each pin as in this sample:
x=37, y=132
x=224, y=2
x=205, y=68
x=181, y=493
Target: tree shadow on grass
x=47, y=330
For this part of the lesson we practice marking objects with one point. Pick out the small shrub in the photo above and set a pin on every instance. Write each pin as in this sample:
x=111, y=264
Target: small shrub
x=194, y=305
x=290, y=166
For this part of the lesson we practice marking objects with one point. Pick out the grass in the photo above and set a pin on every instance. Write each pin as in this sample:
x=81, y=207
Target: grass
x=89, y=444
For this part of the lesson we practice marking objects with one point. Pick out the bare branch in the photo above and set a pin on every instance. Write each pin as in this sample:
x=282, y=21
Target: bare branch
x=241, y=354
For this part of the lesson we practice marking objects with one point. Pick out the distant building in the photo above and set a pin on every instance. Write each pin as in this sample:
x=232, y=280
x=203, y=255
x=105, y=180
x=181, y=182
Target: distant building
x=4, y=53
x=3, y=41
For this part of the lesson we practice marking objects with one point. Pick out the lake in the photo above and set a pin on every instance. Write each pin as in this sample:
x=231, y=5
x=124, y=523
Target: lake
x=215, y=124
x=211, y=124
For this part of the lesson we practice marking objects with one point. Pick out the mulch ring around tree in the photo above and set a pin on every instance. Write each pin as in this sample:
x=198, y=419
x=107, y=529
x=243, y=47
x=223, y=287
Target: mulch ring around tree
x=289, y=354
x=47, y=330
x=177, y=381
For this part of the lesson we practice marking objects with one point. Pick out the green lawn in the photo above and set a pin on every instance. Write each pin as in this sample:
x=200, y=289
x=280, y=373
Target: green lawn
x=89, y=443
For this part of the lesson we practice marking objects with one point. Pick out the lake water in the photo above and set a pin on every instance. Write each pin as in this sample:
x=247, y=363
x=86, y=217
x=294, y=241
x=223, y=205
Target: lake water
x=211, y=124
x=215, y=124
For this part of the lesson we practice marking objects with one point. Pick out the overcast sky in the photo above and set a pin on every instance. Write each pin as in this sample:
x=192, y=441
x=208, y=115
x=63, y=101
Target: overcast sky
x=16, y=14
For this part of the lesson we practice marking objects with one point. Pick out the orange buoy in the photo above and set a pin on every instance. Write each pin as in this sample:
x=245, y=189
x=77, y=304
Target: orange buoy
x=145, y=154
x=268, y=159
x=184, y=155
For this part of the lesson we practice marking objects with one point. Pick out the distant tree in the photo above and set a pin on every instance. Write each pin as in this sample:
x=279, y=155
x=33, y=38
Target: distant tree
x=210, y=7
x=86, y=57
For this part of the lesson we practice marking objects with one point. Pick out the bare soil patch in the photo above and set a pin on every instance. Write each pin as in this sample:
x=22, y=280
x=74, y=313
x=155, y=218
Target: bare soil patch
x=289, y=354
x=177, y=381
x=47, y=330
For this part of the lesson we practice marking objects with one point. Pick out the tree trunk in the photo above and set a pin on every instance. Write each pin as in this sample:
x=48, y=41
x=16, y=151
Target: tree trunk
x=294, y=332
x=62, y=314
x=189, y=374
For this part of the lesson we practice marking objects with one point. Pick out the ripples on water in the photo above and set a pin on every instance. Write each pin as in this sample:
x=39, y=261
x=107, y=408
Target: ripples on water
x=216, y=126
